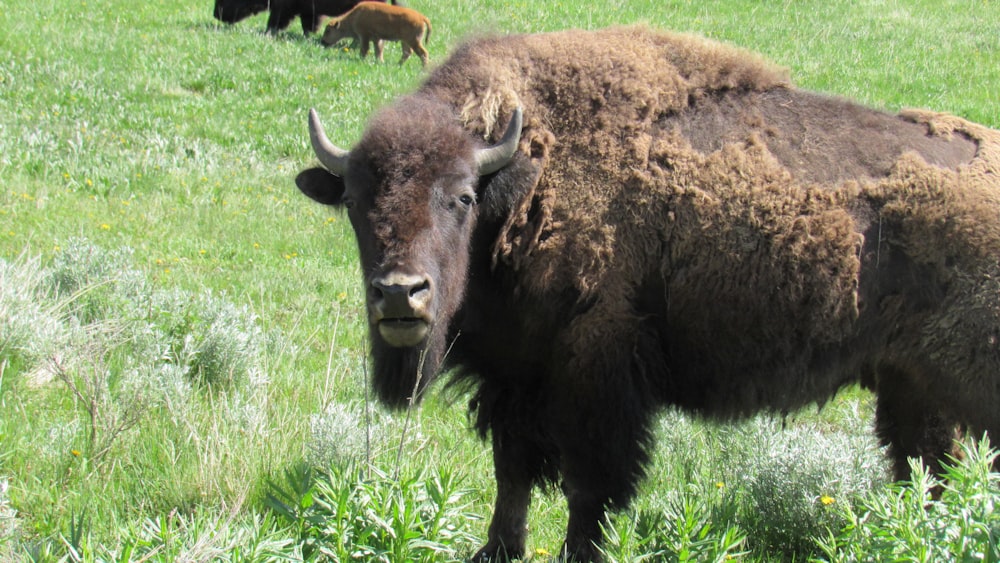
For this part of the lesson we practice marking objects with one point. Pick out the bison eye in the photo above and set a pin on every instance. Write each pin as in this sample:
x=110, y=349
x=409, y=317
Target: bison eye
x=466, y=199
x=347, y=202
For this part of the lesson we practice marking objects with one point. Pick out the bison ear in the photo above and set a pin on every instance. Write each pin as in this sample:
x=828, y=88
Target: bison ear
x=322, y=186
x=502, y=193
x=511, y=196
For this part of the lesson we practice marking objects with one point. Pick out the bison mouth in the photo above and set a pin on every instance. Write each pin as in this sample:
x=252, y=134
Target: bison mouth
x=403, y=332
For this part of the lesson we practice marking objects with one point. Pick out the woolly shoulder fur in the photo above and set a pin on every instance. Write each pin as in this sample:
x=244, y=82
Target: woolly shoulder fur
x=626, y=201
x=617, y=182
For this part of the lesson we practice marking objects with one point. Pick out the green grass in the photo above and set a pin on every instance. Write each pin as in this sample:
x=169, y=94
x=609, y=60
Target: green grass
x=206, y=338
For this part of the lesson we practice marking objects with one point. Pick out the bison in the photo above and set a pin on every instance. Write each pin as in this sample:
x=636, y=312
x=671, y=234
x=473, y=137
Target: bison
x=372, y=21
x=589, y=227
x=283, y=11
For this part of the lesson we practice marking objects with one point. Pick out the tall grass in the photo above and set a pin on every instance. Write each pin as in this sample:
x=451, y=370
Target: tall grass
x=181, y=337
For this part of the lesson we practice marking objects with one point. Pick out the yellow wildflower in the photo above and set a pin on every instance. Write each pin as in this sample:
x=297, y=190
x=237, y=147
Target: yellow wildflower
x=827, y=500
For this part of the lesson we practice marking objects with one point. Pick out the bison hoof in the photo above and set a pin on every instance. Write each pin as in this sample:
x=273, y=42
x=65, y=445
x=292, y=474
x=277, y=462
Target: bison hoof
x=496, y=553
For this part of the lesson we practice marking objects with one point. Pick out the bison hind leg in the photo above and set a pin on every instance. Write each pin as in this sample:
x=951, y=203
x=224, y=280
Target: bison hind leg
x=421, y=52
x=406, y=53
x=913, y=425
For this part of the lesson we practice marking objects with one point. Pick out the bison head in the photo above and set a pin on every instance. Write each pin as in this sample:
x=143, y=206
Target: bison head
x=410, y=190
x=335, y=32
x=232, y=11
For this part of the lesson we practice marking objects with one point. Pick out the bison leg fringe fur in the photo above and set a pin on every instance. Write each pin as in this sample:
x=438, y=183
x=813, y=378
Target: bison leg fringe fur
x=678, y=226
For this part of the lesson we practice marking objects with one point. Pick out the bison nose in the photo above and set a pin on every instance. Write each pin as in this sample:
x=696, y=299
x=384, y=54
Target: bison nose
x=401, y=295
x=399, y=308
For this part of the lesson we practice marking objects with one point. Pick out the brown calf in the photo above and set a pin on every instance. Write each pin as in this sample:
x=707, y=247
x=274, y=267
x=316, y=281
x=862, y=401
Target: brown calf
x=374, y=21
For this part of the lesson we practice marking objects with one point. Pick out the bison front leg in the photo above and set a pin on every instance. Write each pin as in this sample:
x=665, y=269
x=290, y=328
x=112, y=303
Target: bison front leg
x=508, y=529
x=587, y=513
x=379, y=47
x=513, y=461
x=523, y=457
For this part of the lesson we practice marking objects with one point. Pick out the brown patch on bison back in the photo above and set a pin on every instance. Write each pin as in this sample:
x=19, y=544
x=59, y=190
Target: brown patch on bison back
x=818, y=138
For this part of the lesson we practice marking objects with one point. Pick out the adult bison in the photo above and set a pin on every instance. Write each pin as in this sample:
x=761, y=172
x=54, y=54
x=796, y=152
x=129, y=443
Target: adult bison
x=283, y=11
x=673, y=224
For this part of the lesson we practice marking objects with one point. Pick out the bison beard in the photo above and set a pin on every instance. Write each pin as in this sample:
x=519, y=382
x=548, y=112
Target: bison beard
x=678, y=226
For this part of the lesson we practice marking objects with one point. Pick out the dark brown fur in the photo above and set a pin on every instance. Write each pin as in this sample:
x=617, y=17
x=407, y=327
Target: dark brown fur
x=282, y=12
x=679, y=227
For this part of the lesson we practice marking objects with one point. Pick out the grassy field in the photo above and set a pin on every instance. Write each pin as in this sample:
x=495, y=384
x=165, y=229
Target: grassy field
x=182, y=345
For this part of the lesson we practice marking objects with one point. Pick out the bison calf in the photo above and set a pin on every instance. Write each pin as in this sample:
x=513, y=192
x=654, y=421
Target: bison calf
x=372, y=21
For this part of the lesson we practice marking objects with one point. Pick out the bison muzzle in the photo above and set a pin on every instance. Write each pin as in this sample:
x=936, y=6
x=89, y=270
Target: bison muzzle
x=399, y=307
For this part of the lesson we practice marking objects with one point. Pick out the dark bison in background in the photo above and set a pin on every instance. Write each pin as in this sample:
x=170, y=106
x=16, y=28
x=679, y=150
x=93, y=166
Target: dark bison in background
x=673, y=224
x=283, y=11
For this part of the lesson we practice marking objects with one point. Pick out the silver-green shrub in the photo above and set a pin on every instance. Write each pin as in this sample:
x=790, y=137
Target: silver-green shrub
x=9, y=523
x=785, y=484
x=122, y=348
x=229, y=345
x=165, y=384
x=790, y=480
x=30, y=329
x=219, y=343
x=96, y=283
x=248, y=412
x=344, y=434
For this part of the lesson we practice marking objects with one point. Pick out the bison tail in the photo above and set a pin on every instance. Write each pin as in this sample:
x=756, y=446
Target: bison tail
x=427, y=30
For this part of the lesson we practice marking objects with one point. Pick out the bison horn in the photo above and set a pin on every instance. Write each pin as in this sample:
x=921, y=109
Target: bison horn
x=333, y=157
x=491, y=159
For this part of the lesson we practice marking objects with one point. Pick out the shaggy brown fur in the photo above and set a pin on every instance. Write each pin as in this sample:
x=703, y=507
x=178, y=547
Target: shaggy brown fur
x=373, y=21
x=683, y=227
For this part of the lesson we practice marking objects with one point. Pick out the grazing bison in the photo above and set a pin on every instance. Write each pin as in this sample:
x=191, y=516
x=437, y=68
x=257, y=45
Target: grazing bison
x=283, y=11
x=673, y=225
x=372, y=21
